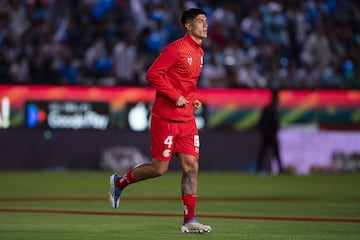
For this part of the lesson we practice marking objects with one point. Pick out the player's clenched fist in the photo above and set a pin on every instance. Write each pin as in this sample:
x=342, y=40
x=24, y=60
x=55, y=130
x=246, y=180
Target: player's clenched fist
x=197, y=105
x=181, y=102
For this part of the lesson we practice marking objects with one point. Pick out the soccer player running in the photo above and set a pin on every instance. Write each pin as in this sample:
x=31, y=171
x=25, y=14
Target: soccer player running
x=173, y=130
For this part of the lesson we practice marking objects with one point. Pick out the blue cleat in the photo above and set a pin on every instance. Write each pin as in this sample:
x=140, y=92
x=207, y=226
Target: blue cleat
x=114, y=193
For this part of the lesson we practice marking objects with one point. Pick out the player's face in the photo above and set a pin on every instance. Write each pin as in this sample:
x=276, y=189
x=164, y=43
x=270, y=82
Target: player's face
x=198, y=27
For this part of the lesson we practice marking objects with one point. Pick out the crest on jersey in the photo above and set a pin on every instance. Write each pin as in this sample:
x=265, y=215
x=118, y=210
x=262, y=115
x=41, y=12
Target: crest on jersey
x=189, y=60
x=166, y=153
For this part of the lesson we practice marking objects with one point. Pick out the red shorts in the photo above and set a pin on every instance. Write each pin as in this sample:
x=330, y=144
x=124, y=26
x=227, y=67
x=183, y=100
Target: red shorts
x=168, y=137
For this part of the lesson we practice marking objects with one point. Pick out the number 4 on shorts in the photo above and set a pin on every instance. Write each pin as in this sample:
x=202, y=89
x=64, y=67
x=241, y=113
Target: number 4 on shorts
x=169, y=141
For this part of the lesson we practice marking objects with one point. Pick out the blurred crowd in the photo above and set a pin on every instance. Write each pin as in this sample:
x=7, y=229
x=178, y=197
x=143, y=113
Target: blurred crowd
x=287, y=44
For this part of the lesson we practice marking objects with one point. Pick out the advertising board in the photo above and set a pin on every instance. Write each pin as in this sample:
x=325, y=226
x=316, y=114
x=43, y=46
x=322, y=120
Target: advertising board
x=225, y=109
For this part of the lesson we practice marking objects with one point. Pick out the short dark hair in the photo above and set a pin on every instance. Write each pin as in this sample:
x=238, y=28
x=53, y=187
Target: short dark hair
x=191, y=14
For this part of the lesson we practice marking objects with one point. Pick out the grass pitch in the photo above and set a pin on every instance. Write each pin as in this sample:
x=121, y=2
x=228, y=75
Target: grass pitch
x=73, y=205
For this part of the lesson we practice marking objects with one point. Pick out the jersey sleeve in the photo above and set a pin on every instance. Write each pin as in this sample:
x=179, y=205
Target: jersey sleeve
x=156, y=74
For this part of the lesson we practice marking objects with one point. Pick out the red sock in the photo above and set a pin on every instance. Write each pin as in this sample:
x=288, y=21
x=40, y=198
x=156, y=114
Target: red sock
x=125, y=180
x=189, y=203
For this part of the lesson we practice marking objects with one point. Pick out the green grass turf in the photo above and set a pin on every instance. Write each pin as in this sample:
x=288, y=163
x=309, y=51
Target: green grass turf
x=318, y=196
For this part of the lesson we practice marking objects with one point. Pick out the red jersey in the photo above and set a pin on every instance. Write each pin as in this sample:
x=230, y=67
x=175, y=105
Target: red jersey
x=175, y=72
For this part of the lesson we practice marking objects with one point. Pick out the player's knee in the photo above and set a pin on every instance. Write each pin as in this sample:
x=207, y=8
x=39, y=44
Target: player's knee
x=193, y=167
x=158, y=168
x=159, y=171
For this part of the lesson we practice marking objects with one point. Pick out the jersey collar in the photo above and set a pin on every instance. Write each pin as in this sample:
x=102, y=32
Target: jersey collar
x=192, y=41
